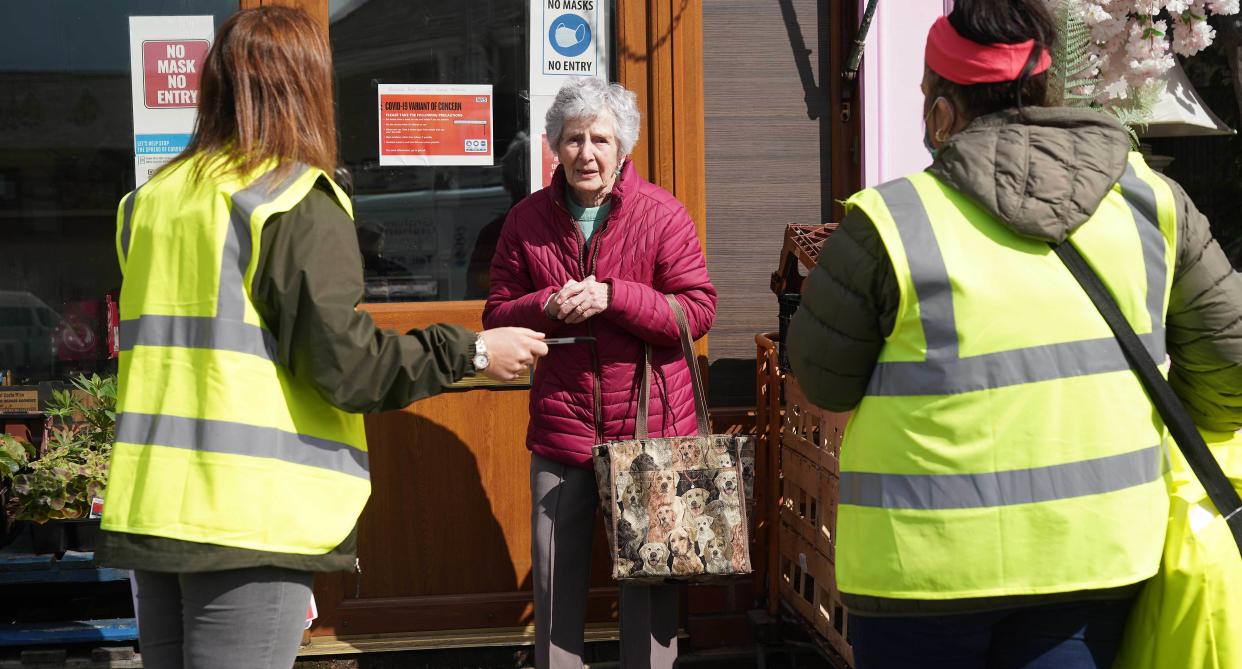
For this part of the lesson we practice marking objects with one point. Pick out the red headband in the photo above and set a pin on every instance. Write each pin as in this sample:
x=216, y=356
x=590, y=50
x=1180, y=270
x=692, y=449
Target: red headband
x=965, y=62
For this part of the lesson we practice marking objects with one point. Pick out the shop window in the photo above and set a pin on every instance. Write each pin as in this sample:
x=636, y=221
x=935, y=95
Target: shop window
x=66, y=159
x=428, y=232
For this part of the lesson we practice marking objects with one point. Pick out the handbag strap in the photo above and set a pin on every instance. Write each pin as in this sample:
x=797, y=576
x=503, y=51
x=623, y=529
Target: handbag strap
x=642, y=426
x=1175, y=416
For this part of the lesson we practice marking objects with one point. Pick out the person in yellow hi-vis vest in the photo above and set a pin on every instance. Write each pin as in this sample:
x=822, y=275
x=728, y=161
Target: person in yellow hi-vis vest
x=240, y=466
x=1002, y=491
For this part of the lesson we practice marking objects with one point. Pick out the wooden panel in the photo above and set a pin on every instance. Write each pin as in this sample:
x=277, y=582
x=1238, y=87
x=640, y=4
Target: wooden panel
x=778, y=152
x=632, y=66
x=318, y=9
x=763, y=160
x=444, y=543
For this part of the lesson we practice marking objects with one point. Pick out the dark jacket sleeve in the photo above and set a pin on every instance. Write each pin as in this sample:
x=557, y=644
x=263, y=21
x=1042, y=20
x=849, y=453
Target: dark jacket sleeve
x=306, y=286
x=1204, y=324
x=849, y=305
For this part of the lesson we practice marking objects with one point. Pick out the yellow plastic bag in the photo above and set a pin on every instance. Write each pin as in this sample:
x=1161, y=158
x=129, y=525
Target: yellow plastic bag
x=1190, y=613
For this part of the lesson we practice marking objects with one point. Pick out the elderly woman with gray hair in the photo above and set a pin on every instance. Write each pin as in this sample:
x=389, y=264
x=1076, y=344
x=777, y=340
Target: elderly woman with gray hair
x=595, y=254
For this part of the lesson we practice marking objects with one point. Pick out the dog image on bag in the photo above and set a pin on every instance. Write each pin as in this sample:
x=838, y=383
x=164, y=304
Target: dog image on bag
x=727, y=493
x=718, y=456
x=644, y=463
x=738, y=555
x=667, y=518
x=718, y=450
x=694, y=502
x=624, y=453
x=626, y=566
x=688, y=454
x=632, y=497
x=704, y=530
x=716, y=556
x=728, y=517
x=636, y=517
x=685, y=560
x=662, y=456
x=748, y=476
x=624, y=478
x=661, y=490
x=662, y=486
x=726, y=487
x=655, y=559
x=629, y=538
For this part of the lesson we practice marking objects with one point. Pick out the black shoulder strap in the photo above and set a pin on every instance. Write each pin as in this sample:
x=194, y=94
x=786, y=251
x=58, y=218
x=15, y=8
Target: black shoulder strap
x=1170, y=407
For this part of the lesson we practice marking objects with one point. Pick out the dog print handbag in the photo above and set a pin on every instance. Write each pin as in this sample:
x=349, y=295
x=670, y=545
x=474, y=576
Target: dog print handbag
x=676, y=508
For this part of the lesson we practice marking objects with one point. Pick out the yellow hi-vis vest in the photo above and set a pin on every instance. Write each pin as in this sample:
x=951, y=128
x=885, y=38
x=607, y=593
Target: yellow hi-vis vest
x=216, y=441
x=1003, y=446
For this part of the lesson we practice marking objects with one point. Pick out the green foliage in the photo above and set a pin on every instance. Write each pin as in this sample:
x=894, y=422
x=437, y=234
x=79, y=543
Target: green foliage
x=60, y=485
x=73, y=468
x=14, y=454
x=1070, y=81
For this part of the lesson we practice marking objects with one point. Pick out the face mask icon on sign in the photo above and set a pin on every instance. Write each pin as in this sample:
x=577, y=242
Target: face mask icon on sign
x=567, y=37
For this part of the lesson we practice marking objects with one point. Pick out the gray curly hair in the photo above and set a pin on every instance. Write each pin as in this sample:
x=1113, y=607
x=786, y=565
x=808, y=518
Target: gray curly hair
x=588, y=98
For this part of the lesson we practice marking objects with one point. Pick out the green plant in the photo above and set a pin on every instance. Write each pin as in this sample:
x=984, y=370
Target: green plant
x=72, y=468
x=14, y=454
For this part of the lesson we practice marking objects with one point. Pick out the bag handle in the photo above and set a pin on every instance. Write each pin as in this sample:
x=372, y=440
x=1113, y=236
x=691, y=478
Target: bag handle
x=1175, y=416
x=642, y=426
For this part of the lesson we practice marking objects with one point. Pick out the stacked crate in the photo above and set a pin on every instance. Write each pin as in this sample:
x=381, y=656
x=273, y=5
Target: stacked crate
x=811, y=484
x=807, y=448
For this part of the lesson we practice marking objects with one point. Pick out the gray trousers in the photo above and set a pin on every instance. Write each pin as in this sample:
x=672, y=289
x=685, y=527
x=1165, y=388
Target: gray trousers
x=563, y=503
x=236, y=619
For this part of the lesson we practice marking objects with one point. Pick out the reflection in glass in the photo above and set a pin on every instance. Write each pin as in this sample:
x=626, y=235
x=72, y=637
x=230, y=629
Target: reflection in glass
x=66, y=158
x=427, y=233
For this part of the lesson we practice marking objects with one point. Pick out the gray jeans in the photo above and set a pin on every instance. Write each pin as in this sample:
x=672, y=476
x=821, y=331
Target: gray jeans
x=236, y=619
x=563, y=501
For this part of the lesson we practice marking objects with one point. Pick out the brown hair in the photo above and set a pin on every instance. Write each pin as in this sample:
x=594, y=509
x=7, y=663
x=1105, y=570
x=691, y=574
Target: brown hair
x=266, y=94
x=999, y=22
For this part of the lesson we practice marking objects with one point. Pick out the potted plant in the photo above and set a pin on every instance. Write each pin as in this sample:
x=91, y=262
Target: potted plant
x=57, y=490
x=15, y=453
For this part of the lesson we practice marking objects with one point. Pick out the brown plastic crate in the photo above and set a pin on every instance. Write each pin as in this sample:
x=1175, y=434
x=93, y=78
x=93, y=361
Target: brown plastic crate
x=813, y=432
x=768, y=424
x=808, y=583
x=800, y=495
x=826, y=528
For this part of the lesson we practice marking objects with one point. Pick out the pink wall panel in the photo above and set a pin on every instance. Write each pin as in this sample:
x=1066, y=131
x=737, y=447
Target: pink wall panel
x=892, y=68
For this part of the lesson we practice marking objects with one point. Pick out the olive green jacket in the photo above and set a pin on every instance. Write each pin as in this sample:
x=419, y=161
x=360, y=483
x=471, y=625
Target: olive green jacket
x=1042, y=172
x=306, y=286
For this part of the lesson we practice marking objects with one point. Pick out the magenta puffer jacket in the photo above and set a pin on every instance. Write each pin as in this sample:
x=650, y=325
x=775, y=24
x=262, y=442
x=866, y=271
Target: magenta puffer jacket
x=584, y=394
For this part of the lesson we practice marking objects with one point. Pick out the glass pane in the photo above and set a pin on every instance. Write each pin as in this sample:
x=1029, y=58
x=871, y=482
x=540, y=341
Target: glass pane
x=66, y=158
x=428, y=233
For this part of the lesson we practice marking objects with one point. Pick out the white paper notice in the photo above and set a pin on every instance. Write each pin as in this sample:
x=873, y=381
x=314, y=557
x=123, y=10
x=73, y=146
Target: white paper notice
x=430, y=124
x=568, y=39
x=166, y=55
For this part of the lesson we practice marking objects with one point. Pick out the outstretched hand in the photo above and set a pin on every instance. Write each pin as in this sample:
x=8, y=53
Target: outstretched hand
x=511, y=351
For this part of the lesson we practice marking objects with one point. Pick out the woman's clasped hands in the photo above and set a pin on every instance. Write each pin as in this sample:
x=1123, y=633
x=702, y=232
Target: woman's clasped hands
x=577, y=301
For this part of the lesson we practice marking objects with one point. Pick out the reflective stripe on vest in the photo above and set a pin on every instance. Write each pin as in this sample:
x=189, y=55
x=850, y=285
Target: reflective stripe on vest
x=1023, y=486
x=216, y=441
x=1001, y=420
x=945, y=372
